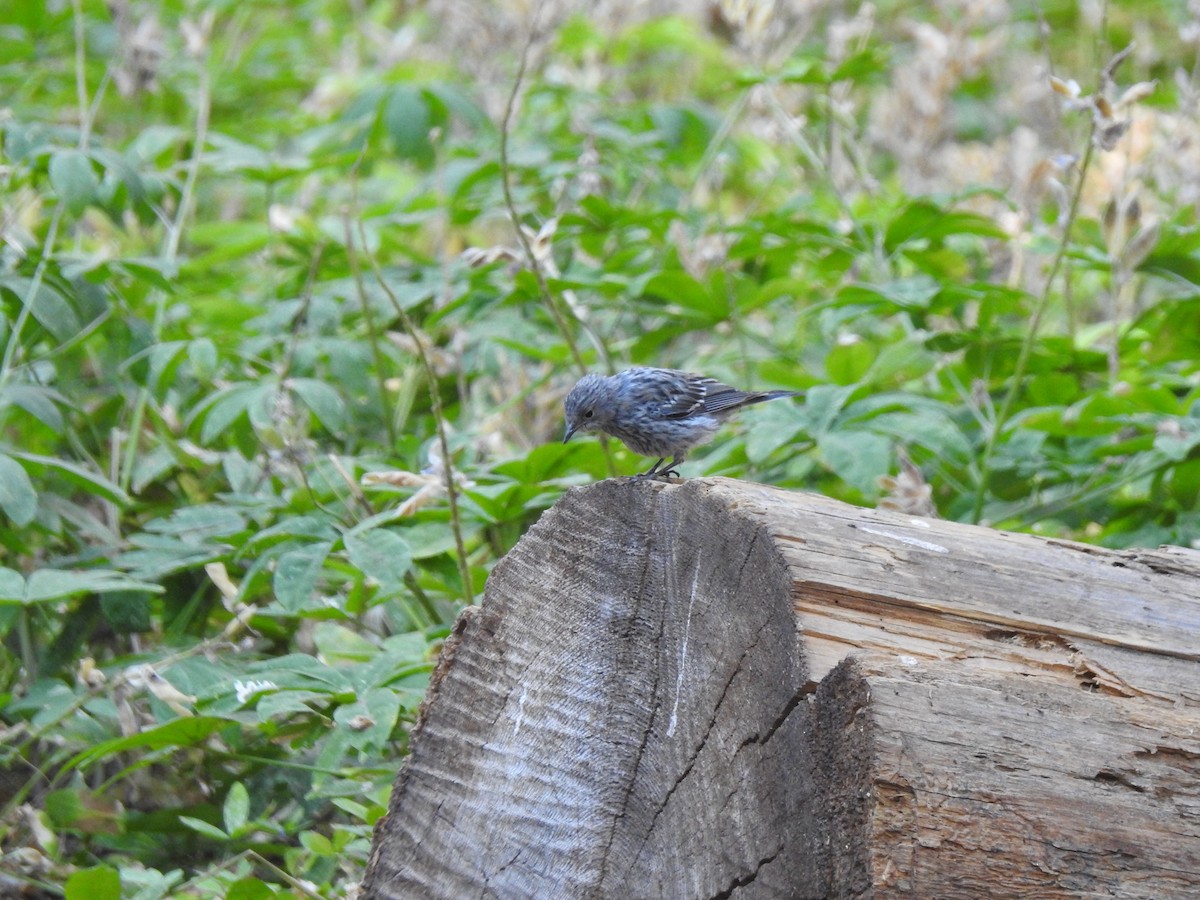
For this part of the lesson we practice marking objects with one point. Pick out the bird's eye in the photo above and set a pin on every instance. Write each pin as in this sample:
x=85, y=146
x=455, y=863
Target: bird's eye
x=588, y=414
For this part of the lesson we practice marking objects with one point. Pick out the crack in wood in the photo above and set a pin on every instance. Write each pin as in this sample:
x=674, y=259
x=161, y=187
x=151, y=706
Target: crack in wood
x=749, y=878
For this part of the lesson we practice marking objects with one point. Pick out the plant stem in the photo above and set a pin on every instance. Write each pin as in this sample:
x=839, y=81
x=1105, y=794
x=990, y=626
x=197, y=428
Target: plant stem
x=435, y=397
x=1014, y=387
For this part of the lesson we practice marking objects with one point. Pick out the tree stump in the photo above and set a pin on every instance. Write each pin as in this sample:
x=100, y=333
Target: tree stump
x=719, y=689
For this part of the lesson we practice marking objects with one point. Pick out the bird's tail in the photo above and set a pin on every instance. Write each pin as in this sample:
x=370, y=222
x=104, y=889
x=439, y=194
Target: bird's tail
x=764, y=396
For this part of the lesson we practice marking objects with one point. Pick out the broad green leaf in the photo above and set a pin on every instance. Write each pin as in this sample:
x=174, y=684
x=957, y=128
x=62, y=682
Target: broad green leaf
x=231, y=403
x=370, y=719
x=901, y=294
x=406, y=117
x=289, y=703
x=857, y=457
x=74, y=179
x=65, y=807
x=1176, y=445
x=297, y=573
x=39, y=401
x=338, y=644
x=250, y=888
x=127, y=612
x=823, y=403
x=46, y=304
x=202, y=354
x=381, y=554
x=18, y=499
x=775, y=425
x=205, y=828
x=200, y=521
x=849, y=362
x=323, y=400
x=183, y=732
x=45, y=585
x=680, y=289
x=923, y=220
x=298, y=670
x=870, y=61
x=316, y=843
x=96, y=883
x=236, y=811
x=90, y=481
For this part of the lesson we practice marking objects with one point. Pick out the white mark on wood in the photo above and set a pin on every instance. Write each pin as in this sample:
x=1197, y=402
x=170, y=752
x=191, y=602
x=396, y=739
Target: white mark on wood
x=908, y=660
x=520, y=710
x=918, y=523
x=904, y=539
x=687, y=631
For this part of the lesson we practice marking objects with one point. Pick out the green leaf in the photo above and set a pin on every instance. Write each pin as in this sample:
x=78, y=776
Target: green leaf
x=229, y=404
x=296, y=575
x=323, y=400
x=316, y=843
x=1178, y=445
x=823, y=403
x=870, y=61
x=857, y=457
x=250, y=888
x=92, y=482
x=370, y=719
x=849, y=362
x=298, y=670
x=46, y=304
x=96, y=883
x=74, y=179
x=12, y=587
x=922, y=220
x=183, y=732
x=774, y=426
x=804, y=70
x=39, y=401
x=18, y=499
x=891, y=296
x=237, y=809
x=381, y=554
x=337, y=644
x=45, y=585
x=127, y=612
x=406, y=117
x=681, y=289
x=65, y=807
x=205, y=828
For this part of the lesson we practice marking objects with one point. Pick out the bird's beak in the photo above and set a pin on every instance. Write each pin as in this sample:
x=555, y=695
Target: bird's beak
x=567, y=434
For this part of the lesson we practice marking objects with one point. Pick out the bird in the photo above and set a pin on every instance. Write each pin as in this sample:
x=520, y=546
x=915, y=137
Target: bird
x=657, y=412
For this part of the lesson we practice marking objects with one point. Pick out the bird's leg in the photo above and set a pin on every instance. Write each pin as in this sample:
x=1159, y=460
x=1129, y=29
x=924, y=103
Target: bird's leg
x=653, y=470
x=670, y=470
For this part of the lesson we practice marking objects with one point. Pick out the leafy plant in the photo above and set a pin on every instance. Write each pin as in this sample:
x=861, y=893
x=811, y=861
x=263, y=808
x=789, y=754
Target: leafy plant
x=291, y=297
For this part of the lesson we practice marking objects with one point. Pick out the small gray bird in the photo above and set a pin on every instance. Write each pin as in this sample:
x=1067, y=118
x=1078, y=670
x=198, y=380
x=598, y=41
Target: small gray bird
x=657, y=412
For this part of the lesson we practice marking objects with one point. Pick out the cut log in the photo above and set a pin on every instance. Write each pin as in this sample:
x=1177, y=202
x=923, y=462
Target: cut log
x=719, y=689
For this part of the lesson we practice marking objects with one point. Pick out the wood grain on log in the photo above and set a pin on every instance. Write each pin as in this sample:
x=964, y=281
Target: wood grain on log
x=718, y=689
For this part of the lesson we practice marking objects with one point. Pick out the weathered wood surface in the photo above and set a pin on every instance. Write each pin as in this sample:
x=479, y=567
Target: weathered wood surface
x=718, y=689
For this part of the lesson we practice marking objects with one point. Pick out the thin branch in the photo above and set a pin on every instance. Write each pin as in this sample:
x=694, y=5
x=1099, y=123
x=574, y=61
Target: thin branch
x=1026, y=352
x=548, y=298
x=170, y=254
x=531, y=261
x=435, y=398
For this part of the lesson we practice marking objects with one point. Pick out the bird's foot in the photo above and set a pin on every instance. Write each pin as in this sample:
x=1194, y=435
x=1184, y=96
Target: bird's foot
x=655, y=472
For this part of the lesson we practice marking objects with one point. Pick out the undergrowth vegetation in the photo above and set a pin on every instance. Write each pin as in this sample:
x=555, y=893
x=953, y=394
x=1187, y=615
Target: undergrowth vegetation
x=280, y=381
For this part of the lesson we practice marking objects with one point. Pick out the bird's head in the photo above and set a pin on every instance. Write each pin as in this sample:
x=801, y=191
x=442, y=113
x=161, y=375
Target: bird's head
x=586, y=406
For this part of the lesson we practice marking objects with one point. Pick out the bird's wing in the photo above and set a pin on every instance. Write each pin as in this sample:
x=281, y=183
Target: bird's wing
x=722, y=396
x=692, y=395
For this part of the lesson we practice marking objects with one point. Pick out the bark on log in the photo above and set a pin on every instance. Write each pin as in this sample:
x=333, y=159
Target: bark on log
x=719, y=689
